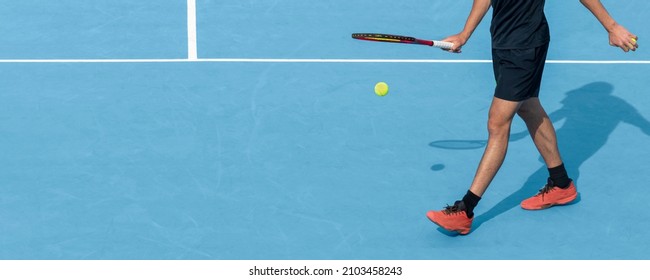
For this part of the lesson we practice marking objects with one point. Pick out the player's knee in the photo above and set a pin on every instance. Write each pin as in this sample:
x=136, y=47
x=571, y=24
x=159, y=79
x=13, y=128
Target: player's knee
x=498, y=127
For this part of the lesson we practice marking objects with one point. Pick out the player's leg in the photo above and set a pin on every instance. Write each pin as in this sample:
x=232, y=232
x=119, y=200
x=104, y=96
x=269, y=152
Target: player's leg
x=459, y=217
x=499, y=122
x=541, y=131
x=559, y=189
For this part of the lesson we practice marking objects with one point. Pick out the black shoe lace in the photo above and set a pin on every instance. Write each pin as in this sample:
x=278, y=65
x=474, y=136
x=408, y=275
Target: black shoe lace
x=547, y=188
x=455, y=209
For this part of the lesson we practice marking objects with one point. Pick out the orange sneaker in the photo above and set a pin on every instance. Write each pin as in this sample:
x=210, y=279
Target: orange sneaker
x=452, y=218
x=550, y=195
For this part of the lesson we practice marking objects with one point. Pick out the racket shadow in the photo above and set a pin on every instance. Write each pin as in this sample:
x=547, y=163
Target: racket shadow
x=458, y=144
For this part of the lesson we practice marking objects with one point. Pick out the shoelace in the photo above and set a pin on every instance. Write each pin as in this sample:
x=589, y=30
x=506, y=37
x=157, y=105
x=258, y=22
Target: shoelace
x=452, y=210
x=544, y=190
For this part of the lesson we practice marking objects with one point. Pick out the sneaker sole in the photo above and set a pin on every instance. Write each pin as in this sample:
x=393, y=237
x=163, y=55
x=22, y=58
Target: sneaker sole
x=559, y=203
x=461, y=232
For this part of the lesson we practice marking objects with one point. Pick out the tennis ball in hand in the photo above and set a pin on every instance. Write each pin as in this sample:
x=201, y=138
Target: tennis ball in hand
x=381, y=89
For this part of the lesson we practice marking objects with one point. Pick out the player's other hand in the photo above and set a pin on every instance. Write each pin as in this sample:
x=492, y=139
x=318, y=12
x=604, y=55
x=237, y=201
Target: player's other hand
x=620, y=37
x=458, y=40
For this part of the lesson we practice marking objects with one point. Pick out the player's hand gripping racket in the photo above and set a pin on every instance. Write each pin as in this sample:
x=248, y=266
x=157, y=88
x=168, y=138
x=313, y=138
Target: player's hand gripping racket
x=377, y=37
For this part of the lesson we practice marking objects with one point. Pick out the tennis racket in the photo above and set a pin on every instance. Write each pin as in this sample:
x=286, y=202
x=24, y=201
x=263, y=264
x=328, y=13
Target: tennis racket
x=378, y=37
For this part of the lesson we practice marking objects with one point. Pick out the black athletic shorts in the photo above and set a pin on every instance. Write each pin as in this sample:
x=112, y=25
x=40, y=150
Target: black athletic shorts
x=518, y=72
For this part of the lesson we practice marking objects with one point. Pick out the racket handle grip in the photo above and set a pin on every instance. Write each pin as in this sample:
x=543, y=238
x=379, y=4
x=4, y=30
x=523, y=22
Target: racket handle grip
x=443, y=45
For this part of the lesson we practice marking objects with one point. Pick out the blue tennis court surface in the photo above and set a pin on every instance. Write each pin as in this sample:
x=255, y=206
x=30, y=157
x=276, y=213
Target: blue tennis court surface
x=294, y=160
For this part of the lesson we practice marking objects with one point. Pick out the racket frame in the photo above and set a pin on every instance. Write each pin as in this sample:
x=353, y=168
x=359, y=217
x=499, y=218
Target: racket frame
x=389, y=38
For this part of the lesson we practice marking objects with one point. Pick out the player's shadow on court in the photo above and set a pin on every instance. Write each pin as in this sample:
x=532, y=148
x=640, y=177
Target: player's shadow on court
x=590, y=114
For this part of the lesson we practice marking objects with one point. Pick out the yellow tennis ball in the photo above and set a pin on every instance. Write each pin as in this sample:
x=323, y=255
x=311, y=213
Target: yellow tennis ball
x=381, y=89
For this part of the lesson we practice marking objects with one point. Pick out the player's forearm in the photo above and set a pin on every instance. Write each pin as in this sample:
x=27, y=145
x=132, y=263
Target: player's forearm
x=599, y=11
x=479, y=9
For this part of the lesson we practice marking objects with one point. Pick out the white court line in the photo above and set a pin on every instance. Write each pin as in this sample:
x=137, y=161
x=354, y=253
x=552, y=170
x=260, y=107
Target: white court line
x=305, y=60
x=192, y=52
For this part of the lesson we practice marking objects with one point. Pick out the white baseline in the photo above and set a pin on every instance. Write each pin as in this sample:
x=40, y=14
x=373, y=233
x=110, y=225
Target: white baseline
x=303, y=60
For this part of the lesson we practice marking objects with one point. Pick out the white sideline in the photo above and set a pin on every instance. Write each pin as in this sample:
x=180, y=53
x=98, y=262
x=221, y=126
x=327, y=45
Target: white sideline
x=192, y=52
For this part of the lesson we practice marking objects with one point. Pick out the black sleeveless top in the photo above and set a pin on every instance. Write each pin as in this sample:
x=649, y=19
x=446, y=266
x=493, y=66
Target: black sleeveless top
x=518, y=24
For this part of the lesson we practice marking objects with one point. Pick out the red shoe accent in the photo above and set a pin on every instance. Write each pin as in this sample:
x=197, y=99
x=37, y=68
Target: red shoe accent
x=549, y=196
x=452, y=218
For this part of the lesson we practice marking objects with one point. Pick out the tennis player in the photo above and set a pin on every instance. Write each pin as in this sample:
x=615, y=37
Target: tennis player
x=520, y=40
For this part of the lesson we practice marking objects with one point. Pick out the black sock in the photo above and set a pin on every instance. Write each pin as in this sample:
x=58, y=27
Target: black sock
x=559, y=176
x=470, y=200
